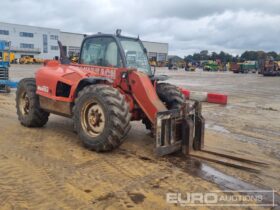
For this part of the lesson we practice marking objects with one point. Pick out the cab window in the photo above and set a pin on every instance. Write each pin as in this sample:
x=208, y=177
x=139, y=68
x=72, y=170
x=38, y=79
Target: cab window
x=101, y=52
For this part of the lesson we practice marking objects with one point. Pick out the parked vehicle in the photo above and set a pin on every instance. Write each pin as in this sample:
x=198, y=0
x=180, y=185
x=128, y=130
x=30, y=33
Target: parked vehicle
x=190, y=67
x=271, y=68
x=5, y=83
x=234, y=67
x=210, y=66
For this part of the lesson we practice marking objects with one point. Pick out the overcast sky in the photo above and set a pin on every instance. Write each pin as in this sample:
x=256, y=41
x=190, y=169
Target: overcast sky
x=187, y=25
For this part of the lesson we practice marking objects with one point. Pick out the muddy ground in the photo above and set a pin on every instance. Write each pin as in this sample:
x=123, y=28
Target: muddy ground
x=48, y=168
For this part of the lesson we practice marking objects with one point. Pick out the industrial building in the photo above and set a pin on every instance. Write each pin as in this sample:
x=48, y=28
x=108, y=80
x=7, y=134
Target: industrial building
x=41, y=42
x=71, y=42
x=157, y=51
x=30, y=40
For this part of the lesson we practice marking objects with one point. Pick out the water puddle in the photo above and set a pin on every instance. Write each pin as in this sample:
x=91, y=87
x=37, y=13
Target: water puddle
x=200, y=169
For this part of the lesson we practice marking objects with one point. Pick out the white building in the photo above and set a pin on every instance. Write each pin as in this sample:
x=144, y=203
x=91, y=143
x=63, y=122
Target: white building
x=41, y=42
x=156, y=50
x=30, y=40
x=71, y=42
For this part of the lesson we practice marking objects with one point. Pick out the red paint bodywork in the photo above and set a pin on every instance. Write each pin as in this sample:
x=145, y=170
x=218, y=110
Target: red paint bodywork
x=53, y=72
x=137, y=87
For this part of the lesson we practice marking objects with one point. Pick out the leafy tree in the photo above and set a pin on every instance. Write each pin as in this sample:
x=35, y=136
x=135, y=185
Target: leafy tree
x=272, y=54
x=214, y=56
x=226, y=57
x=204, y=55
x=196, y=57
x=261, y=55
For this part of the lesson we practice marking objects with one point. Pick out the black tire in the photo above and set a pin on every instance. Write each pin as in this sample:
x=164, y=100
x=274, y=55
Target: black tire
x=171, y=96
x=29, y=113
x=115, y=112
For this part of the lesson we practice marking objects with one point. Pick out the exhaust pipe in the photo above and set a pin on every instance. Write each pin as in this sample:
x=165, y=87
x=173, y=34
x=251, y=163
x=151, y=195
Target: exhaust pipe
x=63, y=58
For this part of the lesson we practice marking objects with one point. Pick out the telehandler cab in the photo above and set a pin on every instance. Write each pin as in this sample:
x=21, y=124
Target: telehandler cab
x=111, y=85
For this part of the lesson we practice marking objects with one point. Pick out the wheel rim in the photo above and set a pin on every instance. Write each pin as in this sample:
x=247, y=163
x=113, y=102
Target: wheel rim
x=24, y=103
x=93, y=119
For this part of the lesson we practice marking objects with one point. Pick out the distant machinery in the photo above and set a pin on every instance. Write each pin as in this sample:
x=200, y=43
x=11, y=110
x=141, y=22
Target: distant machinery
x=5, y=83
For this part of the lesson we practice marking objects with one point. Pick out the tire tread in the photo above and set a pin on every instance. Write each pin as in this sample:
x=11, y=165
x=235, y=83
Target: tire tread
x=119, y=116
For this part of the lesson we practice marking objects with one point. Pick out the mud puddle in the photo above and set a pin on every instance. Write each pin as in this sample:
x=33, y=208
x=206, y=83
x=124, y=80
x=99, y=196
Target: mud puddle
x=225, y=182
x=199, y=168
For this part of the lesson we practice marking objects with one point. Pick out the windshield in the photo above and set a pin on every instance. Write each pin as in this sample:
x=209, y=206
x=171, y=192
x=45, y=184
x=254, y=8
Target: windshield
x=135, y=55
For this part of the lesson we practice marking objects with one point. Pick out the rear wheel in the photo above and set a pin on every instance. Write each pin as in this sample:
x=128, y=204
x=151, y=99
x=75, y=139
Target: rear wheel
x=101, y=117
x=27, y=103
x=170, y=95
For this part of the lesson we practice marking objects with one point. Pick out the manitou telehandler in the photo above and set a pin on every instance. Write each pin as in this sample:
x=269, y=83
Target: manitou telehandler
x=111, y=85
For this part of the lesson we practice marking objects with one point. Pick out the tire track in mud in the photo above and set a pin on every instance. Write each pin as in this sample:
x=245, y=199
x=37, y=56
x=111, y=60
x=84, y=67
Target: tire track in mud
x=50, y=163
x=52, y=171
x=42, y=178
x=201, y=169
x=6, y=110
x=143, y=177
x=2, y=116
x=114, y=178
x=113, y=175
x=7, y=103
x=62, y=182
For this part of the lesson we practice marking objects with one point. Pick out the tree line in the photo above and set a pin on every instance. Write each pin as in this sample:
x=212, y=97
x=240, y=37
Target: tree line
x=226, y=57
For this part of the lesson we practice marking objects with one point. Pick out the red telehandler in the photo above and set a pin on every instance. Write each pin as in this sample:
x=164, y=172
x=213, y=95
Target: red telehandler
x=111, y=85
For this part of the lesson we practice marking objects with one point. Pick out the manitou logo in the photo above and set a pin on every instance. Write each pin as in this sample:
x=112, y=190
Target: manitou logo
x=43, y=88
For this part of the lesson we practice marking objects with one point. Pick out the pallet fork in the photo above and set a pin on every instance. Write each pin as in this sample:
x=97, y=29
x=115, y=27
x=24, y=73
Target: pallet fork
x=183, y=130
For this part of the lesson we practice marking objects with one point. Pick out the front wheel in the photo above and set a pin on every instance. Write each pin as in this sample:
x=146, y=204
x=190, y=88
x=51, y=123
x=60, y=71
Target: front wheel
x=101, y=117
